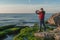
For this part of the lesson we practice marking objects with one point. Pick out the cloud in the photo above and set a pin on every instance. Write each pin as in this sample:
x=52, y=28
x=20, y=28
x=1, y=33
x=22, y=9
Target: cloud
x=25, y=8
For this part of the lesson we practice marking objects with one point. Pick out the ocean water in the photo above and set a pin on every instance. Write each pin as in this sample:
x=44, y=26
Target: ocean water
x=20, y=18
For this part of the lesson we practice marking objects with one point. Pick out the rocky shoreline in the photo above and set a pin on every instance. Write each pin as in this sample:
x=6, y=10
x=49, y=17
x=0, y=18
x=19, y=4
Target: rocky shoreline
x=53, y=34
x=30, y=33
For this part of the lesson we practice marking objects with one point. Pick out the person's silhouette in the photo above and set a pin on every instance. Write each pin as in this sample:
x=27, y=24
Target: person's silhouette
x=41, y=14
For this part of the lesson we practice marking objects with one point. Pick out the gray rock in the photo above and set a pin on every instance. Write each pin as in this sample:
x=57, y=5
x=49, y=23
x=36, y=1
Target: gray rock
x=54, y=19
x=44, y=34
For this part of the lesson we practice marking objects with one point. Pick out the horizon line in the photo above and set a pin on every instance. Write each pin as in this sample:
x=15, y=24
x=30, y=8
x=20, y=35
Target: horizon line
x=18, y=13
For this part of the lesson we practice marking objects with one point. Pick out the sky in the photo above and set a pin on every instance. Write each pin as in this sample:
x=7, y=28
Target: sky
x=29, y=6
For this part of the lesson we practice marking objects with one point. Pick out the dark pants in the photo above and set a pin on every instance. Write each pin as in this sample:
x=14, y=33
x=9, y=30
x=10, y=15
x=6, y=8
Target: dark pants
x=42, y=24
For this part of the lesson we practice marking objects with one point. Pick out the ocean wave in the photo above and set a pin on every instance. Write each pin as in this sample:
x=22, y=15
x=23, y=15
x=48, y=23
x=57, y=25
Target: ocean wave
x=21, y=19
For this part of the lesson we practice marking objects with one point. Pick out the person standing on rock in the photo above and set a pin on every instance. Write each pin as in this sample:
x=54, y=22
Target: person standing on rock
x=41, y=14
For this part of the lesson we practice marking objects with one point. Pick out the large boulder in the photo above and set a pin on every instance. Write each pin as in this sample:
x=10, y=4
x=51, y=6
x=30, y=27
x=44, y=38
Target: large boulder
x=51, y=35
x=54, y=19
x=45, y=35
